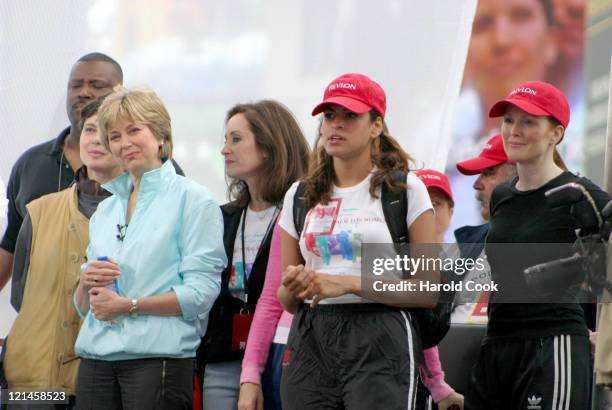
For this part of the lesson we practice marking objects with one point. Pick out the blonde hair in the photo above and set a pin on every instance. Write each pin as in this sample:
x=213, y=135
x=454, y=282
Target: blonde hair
x=139, y=106
x=558, y=160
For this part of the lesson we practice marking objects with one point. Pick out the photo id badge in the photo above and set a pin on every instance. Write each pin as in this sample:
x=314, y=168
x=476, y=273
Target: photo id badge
x=322, y=218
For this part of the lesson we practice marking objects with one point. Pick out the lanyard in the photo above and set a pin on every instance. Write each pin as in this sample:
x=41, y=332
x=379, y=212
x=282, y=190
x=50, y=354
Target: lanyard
x=242, y=228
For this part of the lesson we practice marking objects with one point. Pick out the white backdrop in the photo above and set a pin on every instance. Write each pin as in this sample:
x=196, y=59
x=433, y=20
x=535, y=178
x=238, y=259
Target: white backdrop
x=203, y=56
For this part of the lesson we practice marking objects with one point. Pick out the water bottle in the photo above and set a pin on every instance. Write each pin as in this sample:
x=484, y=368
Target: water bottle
x=113, y=286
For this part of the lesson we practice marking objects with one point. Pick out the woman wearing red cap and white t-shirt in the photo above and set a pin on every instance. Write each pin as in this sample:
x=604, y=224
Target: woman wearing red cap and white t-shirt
x=535, y=355
x=345, y=352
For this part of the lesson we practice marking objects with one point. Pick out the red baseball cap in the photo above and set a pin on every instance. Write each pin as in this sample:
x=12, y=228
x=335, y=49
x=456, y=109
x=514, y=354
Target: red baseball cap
x=492, y=154
x=355, y=92
x=536, y=98
x=434, y=179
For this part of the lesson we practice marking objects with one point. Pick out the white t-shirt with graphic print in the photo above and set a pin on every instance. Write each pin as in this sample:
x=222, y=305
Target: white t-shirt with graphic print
x=332, y=235
x=255, y=228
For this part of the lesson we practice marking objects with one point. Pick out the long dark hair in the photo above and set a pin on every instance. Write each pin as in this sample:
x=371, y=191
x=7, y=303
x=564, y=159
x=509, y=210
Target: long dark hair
x=387, y=156
x=279, y=137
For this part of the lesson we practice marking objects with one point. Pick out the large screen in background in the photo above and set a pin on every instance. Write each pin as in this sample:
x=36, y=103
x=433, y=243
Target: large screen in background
x=204, y=56
x=514, y=41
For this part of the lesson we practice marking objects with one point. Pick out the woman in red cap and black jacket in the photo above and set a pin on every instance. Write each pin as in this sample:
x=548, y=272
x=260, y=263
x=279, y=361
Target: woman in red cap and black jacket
x=344, y=351
x=536, y=352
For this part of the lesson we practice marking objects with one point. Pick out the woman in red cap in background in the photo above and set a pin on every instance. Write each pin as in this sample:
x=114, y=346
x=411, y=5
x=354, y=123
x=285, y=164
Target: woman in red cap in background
x=534, y=355
x=344, y=351
x=441, y=195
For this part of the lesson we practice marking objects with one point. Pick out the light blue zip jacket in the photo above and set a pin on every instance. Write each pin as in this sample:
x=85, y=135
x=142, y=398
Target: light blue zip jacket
x=174, y=241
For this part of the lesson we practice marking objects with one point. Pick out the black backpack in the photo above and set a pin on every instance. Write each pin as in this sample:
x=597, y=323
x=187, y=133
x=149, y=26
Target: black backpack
x=431, y=324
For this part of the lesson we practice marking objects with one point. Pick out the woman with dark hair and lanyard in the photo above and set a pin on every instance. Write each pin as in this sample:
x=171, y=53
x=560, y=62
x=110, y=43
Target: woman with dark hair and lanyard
x=265, y=152
x=535, y=355
x=263, y=357
x=348, y=352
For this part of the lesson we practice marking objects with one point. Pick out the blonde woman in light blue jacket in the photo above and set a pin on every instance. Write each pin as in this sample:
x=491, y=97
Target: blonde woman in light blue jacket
x=155, y=260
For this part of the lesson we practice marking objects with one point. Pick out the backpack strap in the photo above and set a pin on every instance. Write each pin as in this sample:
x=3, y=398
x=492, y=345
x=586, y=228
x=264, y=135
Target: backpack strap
x=395, y=208
x=394, y=205
x=299, y=208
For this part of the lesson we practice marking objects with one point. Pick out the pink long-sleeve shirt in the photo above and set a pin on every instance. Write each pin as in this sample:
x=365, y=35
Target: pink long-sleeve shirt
x=271, y=324
x=438, y=388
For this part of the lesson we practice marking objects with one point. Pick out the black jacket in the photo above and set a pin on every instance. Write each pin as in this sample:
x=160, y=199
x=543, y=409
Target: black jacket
x=216, y=344
x=471, y=240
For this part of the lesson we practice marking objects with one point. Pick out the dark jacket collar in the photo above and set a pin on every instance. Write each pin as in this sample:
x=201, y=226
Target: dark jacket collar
x=89, y=186
x=58, y=145
x=472, y=234
x=471, y=240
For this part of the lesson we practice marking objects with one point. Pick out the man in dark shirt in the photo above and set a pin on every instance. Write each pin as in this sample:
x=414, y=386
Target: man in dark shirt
x=50, y=166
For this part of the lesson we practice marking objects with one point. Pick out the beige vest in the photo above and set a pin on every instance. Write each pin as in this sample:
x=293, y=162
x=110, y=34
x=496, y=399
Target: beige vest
x=40, y=346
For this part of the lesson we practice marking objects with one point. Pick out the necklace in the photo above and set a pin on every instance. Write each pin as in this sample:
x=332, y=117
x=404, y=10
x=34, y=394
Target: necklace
x=261, y=215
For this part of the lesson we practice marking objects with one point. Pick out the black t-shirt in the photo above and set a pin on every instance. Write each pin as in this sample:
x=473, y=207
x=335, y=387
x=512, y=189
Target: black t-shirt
x=524, y=217
x=40, y=170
